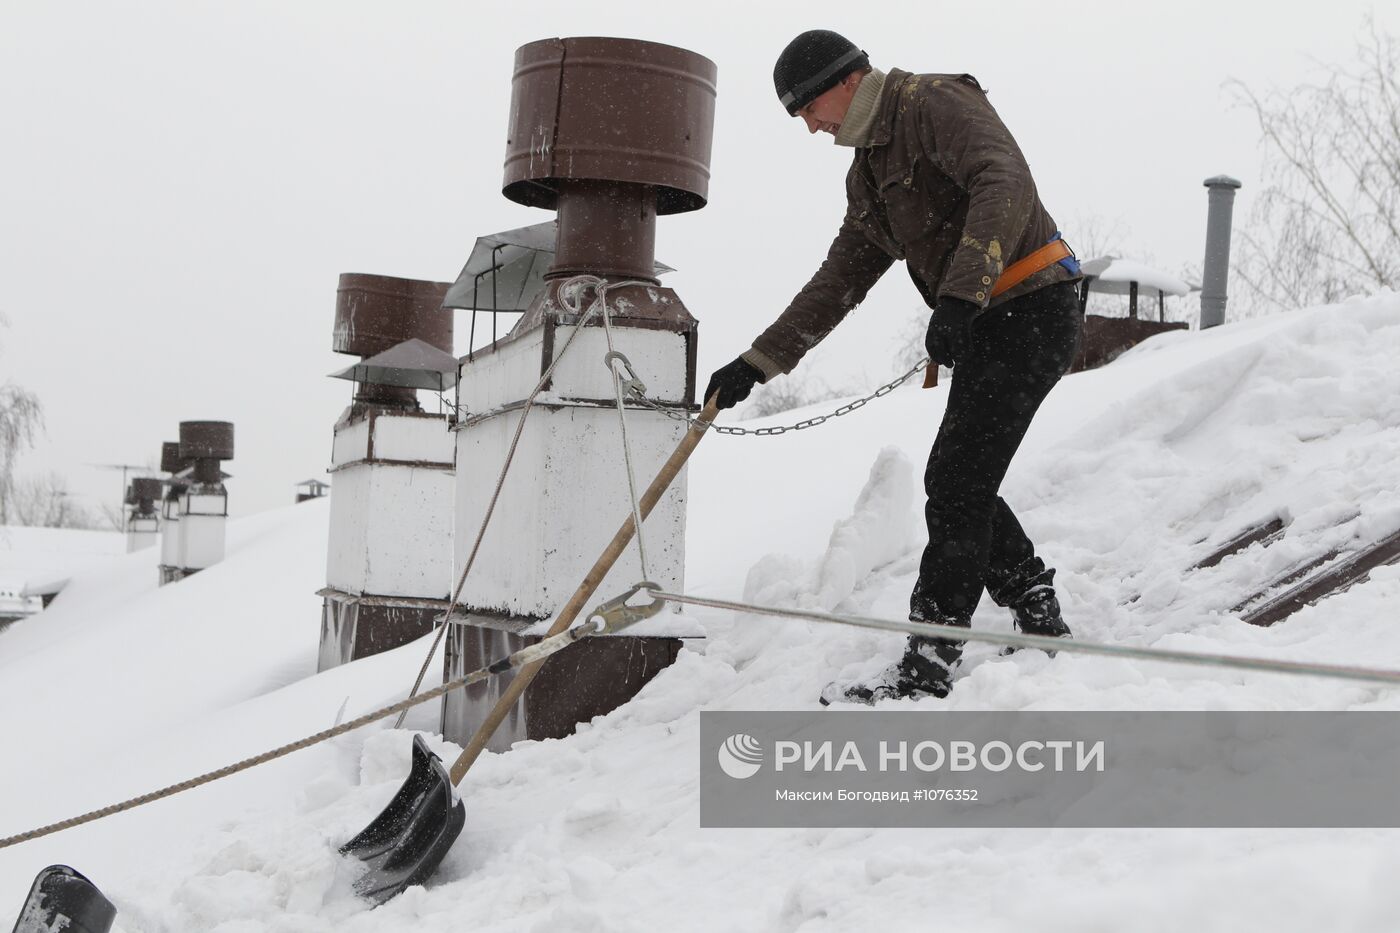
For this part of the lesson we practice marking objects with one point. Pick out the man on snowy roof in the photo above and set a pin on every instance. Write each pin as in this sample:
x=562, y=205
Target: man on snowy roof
x=937, y=181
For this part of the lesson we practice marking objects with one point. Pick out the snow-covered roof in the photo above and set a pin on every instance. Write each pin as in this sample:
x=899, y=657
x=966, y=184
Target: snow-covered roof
x=601, y=830
x=47, y=584
x=39, y=561
x=1113, y=276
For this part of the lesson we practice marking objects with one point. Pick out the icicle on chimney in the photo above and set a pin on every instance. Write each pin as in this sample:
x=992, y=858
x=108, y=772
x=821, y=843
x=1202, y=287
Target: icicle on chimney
x=201, y=513
x=609, y=133
x=142, y=514
x=172, y=465
x=391, y=470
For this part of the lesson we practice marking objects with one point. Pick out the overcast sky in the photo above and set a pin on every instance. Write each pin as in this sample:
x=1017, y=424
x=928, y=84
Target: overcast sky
x=182, y=183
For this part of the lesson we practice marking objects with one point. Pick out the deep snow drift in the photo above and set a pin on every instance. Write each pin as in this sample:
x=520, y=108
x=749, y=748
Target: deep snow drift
x=1130, y=474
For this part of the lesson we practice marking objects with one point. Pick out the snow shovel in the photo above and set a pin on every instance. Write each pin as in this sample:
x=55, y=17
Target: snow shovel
x=62, y=899
x=405, y=843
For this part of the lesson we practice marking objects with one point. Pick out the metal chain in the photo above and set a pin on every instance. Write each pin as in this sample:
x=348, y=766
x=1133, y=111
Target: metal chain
x=846, y=409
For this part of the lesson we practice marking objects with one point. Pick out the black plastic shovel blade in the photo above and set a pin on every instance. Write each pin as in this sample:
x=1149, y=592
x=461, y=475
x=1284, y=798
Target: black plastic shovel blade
x=405, y=843
x=63, y=900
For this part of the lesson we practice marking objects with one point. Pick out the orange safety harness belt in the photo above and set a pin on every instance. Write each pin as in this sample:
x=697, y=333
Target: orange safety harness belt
x=1014, y=275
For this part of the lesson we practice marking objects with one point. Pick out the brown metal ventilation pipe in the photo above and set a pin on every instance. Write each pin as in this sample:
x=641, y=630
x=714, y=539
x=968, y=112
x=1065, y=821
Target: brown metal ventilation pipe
x=606, y=228
x=142, y=516
x=376, y=312
x=142, y=494
x=172, y=463
x=609, y=133
x=206, y=444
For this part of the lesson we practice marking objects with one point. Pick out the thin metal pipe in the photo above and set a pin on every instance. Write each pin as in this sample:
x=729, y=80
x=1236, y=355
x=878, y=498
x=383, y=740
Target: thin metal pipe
x=495, y=302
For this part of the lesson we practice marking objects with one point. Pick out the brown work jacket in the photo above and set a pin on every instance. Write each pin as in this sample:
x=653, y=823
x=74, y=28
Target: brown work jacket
x=942, y=186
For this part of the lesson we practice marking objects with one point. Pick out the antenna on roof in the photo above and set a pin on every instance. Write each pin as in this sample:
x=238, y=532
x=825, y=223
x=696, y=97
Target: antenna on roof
x=125, y=468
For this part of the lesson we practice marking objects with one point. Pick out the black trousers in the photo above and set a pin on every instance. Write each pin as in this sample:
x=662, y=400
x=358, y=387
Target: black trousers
x=1018, y=351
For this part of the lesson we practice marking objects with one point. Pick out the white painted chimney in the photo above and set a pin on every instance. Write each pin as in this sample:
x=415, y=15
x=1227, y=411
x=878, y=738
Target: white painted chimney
x=170, y=544
x=389, y=561
x=142, y=514
x=203, y=507
x=608, y=172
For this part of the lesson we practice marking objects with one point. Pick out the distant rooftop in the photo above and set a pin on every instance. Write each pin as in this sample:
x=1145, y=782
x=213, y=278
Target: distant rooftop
x=1114, y=275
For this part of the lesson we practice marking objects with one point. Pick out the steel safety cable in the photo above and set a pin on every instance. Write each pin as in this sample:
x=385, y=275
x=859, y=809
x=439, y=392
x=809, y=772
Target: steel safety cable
x=1048, y=643
x=613, y=359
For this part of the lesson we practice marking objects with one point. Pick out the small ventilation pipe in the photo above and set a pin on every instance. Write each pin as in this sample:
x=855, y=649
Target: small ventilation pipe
x=1216, y=276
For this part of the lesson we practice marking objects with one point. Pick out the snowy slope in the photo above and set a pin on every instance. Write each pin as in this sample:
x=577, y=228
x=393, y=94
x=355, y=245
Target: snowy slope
x=39, y=556
x=1130, y=474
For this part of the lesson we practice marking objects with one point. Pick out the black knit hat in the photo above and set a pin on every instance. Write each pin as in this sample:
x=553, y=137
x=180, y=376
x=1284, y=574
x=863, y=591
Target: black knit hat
x=813, y=63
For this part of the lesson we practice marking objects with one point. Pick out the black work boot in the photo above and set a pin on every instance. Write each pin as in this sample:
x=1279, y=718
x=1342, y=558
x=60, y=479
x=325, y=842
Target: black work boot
x=926, y=670
x=1037, y=612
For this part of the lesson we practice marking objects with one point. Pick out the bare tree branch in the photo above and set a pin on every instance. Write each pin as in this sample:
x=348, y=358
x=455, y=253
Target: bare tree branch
x=1327, y=224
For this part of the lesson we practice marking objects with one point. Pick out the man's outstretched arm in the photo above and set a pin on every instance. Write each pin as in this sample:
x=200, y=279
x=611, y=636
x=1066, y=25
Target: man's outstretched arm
x=852, y=266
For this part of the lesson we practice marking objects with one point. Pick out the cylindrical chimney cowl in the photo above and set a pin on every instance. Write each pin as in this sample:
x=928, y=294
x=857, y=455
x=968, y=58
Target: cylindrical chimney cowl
x=610, y=133
x=1216, y=274
x=206, y=444
x=143, y=493
x=376, y=312
x=170, y=459
x=147, y=489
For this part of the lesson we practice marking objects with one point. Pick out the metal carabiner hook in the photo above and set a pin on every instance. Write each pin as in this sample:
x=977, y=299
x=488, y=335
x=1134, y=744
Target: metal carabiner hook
x=630, y=383
x=615, y=615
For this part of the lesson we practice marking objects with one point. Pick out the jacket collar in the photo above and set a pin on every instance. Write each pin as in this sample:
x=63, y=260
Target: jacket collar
x=887, y=108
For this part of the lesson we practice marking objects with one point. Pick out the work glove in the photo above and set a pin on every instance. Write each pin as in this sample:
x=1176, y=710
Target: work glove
x=733, y=381
x=950, y=331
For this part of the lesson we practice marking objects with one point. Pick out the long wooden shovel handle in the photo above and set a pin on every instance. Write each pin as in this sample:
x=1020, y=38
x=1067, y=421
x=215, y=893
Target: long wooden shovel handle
x=586, y=589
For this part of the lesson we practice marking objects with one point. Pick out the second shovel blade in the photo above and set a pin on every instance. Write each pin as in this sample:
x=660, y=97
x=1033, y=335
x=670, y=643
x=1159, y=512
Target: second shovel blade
x=62, y=899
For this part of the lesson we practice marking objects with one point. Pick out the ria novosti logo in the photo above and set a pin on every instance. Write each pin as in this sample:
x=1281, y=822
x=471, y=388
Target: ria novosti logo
x=741, y=756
